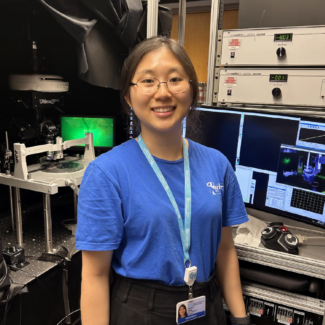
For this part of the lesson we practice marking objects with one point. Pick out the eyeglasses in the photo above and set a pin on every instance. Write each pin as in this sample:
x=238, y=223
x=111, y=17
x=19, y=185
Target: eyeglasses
x=150, y=86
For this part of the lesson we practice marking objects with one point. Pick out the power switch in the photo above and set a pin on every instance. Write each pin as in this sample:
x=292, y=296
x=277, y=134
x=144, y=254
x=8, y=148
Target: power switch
x=232, y=55
x=229, y=92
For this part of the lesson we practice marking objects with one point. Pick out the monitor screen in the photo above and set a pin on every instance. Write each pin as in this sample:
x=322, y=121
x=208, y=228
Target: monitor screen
x=74, y=127
x=279, y=160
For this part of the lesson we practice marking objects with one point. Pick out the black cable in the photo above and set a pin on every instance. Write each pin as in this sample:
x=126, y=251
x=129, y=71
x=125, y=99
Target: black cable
x=33, y=257
x=67, y=316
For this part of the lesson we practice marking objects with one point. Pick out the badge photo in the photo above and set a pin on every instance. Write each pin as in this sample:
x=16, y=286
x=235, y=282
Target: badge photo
x=190, y=309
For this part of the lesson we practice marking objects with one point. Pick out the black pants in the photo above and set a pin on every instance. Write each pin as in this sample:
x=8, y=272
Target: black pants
x=137, y=302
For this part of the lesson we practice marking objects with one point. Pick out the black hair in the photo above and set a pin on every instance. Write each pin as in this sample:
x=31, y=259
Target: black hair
x=133, y=60
x=179, y=316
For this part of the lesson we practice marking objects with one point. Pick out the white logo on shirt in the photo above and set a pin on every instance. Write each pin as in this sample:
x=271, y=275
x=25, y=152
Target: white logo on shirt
x=215, y=189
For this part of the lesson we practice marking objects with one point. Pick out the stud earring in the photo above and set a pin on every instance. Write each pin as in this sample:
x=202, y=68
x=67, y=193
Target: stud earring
x=131, y=124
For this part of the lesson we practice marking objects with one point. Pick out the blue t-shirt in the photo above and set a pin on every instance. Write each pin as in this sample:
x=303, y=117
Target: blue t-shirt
x=123, y=207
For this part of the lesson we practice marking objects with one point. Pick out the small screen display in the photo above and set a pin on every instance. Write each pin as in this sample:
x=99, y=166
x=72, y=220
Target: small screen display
x=279, y=77
x=74, y=127
x=283, y=37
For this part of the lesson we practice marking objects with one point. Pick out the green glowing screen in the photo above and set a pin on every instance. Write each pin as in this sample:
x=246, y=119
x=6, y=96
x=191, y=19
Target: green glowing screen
x=101, y=127
x=286, y=161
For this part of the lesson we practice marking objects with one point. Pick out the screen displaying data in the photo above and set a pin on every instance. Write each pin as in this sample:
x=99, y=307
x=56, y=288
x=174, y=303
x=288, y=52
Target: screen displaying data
x=279, y=160
x=102, y=128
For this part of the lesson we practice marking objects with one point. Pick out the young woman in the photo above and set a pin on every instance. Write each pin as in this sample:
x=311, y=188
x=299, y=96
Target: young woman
x=182, y=311
x=158, y=204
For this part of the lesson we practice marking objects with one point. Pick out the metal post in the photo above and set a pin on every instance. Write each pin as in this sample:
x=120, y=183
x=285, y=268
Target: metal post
x=10, y=188
x=19, y=221
x=215, y=5
x=221, y=11
x=152, y=18
x=47, y=223
x=181, y=21
x=12, y=209
x=75, y=205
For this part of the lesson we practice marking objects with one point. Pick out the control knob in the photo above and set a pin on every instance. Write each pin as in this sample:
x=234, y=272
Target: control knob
x=291, y=241
x=281, y=52
x=11, y=249
x=268, y=232
x=276, y=92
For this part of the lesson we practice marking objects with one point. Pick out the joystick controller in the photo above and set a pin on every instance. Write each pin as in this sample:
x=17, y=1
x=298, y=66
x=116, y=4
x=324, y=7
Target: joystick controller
x=278, y=237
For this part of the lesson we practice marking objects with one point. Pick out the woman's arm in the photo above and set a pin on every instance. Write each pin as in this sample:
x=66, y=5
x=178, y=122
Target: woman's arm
x=228, y=274
x=95, y=287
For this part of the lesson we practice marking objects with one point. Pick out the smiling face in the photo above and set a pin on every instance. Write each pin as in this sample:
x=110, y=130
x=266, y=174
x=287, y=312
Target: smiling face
x=162, y=111
x=182, y=311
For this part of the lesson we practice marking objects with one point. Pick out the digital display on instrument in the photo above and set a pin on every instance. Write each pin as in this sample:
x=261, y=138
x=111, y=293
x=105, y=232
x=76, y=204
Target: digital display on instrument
x=283, y=37
x=279, y=77
x=75, y=127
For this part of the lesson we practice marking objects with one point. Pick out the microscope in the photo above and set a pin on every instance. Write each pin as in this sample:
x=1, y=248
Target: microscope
x=32, y=156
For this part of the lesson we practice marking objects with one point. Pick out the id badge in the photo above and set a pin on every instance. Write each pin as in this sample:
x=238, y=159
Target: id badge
x=190, y=309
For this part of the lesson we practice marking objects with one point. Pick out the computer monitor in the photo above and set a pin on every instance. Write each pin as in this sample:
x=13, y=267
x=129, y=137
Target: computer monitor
x=75, y=126
x=279, y=160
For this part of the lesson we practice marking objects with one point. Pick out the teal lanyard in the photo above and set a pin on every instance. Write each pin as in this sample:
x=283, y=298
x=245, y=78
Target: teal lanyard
x=184, y=230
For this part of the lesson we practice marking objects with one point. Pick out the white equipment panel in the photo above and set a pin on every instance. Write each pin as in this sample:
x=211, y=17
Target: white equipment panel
x=38, y=82
x=295, y=87
x=297, y=46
